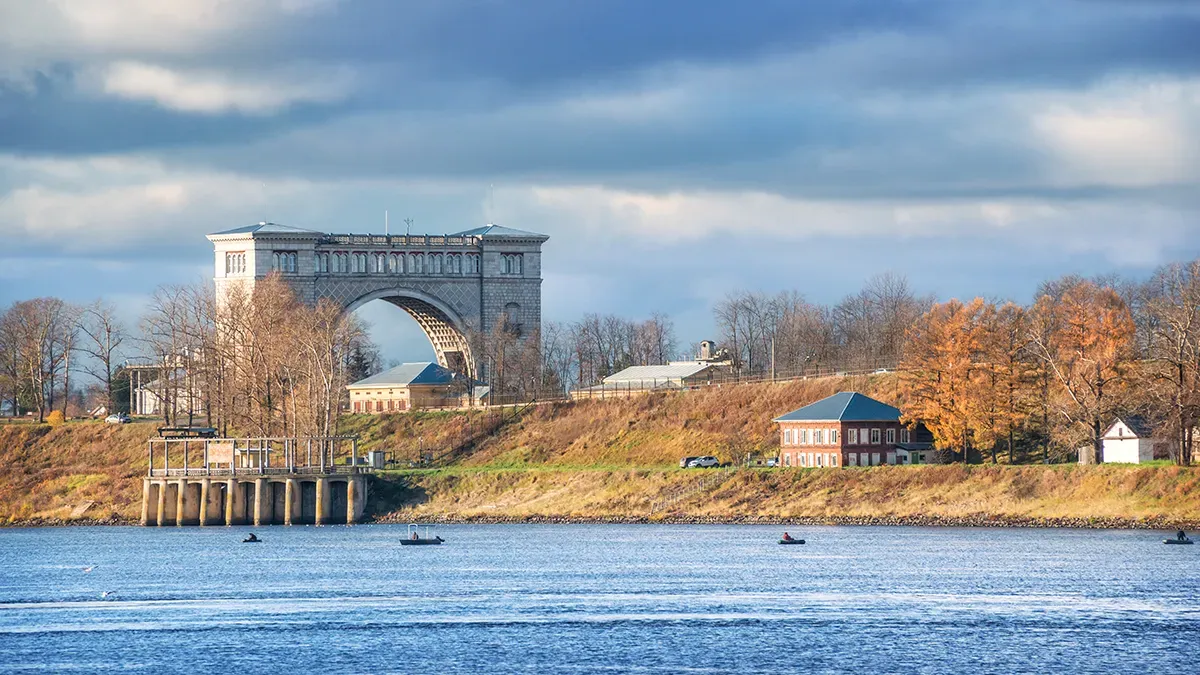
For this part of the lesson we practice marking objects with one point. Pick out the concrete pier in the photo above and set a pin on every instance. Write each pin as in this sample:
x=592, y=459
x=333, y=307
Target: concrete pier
x=207, y=481
x=277, y=500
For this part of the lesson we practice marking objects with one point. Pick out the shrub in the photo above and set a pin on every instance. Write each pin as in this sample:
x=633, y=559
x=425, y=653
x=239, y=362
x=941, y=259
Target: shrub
x=55, y=418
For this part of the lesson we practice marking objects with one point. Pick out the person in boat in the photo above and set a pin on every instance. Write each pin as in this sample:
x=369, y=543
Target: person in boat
x=415, y=536
x=251, y=537
x=787, y=537
x=1181, y=536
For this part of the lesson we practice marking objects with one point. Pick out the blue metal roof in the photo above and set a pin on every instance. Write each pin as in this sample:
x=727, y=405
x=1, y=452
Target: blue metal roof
x=490, y=230
x=848, y=406
x=409, y=373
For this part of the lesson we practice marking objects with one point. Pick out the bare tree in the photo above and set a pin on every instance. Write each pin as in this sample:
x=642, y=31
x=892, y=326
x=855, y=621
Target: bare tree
x=103, y=335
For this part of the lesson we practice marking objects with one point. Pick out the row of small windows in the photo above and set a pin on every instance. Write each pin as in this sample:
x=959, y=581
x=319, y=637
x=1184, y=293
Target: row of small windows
x=510, y=263
x=284, y=261
x=235, y=263
x=397, y=263
x=830, y=436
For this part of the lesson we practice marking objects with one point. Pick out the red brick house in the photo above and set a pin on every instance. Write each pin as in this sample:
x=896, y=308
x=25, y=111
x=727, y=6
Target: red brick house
x=849, y=429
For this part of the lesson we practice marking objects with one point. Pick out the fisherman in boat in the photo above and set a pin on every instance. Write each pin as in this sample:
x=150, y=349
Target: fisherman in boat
x=415, y=536
x=787, y=537
x=1181, y=536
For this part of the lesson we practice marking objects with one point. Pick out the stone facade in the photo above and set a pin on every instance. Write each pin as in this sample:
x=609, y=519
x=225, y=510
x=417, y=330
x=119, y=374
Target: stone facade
x=450, y=284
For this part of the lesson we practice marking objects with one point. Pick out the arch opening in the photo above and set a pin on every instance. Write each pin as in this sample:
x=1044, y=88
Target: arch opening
x=444, y=329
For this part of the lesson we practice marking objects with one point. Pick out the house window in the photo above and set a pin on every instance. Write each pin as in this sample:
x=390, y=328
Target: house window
x=891, y=458
x=874, y=459
x=833, y=436
x=803, y=459
x=833, y=460
x=891, y=436
x=853, y=437
x=875, y=437
x=235, y=263
x=358, y=406
x=284, y=262
x=904, y=436
x=511, y=263
x=787, y=459
x=853, y=459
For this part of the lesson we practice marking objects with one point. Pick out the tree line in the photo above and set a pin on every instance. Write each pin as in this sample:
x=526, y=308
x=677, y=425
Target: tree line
x=1050, y=377
x=255, y=361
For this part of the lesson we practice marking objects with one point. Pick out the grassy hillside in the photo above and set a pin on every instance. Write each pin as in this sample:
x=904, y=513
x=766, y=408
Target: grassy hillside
x=614, y=460
x=1054, y=495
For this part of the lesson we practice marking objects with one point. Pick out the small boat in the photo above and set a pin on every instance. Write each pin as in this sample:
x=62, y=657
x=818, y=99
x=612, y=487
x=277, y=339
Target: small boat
x=252, y=541
x=791, y=541
x=414, y=537
x=1178, y=542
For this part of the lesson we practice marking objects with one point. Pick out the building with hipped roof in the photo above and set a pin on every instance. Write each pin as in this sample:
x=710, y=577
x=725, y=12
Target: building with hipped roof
x=413, y=386
x=850, y=429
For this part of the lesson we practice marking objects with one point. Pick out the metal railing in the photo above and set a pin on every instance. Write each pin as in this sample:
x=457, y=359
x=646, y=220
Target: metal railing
x=398, y=240
x=682, y=492
x=325, y=455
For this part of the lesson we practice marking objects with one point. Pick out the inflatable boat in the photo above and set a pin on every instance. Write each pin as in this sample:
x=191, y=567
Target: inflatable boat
x=786, y=542
x=423, y=541
x=1178, y=542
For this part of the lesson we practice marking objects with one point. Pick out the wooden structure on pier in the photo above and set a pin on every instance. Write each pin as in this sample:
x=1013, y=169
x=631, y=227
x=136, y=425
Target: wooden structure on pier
x=254, y=481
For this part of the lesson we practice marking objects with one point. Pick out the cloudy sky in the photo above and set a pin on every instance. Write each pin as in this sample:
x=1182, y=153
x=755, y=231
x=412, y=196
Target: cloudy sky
x=673, y=150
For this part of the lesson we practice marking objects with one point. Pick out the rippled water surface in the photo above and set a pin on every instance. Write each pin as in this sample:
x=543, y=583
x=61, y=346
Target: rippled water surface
x=598, y=599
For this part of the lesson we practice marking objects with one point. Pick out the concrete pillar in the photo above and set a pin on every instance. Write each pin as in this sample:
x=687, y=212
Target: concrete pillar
x=351, y=497
x=145, y=520
x=323, y=501
x=233, y=499
x=205, y=487
x=291, y=501
x=181, y=502
x=162, y=503
x=262, y=502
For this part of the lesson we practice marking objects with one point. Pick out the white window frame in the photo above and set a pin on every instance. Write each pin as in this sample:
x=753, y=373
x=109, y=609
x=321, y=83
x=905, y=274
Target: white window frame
x=853, y=459
x=876, y=436
x=853, y=439
x=904, y=436
x=833, y=436
x=891, y=436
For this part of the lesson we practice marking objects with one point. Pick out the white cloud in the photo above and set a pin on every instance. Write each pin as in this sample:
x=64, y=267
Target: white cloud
x=216, y=92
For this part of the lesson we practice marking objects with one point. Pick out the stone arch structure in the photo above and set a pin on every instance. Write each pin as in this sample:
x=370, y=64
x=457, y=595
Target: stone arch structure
x=444, y=327
x=450, y=284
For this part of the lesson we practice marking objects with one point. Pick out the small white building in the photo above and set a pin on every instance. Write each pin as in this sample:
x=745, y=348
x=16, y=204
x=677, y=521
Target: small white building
x=1130, y=440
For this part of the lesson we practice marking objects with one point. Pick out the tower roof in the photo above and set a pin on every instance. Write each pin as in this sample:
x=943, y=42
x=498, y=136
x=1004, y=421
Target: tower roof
x=267, y=228
x=490, y=231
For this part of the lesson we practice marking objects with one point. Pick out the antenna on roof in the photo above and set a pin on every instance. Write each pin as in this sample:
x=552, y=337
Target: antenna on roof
x=408, y=226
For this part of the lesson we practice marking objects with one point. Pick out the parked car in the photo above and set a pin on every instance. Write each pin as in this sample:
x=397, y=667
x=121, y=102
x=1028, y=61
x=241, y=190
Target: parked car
x=117, y=418
x=772, y=462
x=683, y=463
x=705, y=462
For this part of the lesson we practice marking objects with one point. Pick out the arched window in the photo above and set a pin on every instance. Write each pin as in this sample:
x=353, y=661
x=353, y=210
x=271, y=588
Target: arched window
x=510, y=263
x=360, y=263
x=435, y=263
x=341, y=262
x=380, y=263
x=396, y=263
x=322, y=263
x=454, y=263
x=416, y=263
x=512, y=318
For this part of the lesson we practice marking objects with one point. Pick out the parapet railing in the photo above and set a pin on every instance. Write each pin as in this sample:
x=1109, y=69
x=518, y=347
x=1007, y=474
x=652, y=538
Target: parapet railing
x=398, y=240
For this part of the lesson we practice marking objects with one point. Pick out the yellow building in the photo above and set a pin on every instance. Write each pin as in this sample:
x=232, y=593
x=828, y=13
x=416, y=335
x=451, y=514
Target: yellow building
x=411, y=386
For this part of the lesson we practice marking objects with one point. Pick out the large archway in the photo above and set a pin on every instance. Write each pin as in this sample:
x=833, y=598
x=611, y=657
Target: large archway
x=446, y=331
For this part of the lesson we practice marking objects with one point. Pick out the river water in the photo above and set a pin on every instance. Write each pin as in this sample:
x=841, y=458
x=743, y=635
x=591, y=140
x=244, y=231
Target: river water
x=598, y=599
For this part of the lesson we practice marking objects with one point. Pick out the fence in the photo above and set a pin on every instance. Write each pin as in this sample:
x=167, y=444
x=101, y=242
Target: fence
x=711, y=480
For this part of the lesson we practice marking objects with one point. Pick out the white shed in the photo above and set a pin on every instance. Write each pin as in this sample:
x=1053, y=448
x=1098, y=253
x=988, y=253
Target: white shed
x=1129, y=441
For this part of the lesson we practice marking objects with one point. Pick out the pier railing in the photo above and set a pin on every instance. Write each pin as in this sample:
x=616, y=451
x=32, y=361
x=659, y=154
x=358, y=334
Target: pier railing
x=326, y=455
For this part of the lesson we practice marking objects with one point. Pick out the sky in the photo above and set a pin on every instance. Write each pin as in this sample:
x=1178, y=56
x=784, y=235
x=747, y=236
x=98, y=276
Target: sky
x=672, y=150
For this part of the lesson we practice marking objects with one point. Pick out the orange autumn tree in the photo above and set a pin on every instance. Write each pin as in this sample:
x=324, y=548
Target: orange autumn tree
x=1006, y=360
x=1087, y=355
x=942, y=374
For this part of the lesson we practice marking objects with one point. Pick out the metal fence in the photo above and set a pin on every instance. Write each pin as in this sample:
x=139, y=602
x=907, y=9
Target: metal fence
x=326, y=455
